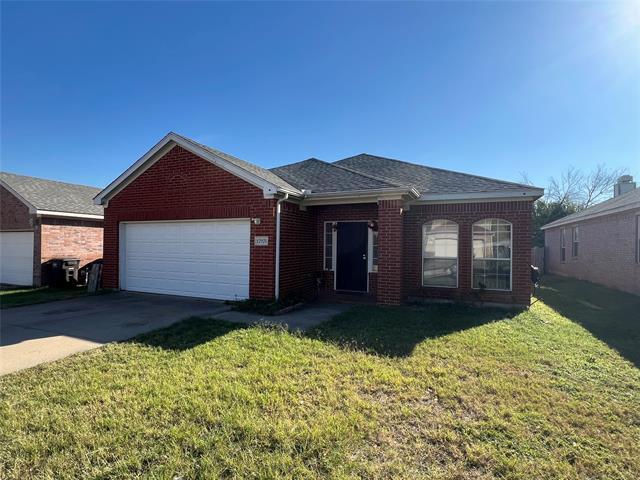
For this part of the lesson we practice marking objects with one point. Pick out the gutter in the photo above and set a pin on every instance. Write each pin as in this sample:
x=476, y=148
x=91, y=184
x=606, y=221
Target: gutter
x=278, y=210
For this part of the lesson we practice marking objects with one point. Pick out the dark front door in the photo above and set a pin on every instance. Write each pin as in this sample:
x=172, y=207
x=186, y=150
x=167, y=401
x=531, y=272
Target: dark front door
x=351, y=261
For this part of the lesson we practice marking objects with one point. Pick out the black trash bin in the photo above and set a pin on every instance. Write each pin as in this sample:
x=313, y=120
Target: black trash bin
x=61, y=272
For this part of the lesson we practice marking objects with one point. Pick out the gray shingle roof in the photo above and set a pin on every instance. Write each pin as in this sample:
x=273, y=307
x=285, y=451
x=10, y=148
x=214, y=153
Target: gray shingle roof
x=52, y=195
x=621, y=203
x=323, y=177
x=425, y=179
x=247, y=166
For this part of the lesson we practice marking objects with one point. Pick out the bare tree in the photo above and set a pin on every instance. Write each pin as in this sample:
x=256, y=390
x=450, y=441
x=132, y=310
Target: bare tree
x=566, y=189
x=579, y=189
x=598, y=185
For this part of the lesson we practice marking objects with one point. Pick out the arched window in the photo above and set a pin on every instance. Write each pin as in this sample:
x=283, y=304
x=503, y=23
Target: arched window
x=440, y=254
x=492, y=254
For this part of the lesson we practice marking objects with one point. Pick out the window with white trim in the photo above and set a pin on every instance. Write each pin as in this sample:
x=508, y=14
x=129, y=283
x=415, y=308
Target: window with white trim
x=563, y=250
x=328, y=245
x=575, y=241
x=491, y=254
x=440, y=254
x=374, y=251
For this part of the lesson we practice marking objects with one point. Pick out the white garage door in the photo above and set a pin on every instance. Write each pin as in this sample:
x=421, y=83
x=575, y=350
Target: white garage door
x=16, y=258
x=208, y=259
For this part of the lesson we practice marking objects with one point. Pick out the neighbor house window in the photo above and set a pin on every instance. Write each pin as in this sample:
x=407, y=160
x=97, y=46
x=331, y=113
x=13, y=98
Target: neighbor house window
x=374, y=251
x=492, y=254
x=440, y=254
x=328, y=245
x=574, y=242
x=563, y=251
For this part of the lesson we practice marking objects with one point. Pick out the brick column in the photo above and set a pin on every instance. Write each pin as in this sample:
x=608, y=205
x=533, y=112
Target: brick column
x=390, y=252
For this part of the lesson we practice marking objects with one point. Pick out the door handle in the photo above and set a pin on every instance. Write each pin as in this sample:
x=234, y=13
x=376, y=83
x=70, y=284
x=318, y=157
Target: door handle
x=364, y=256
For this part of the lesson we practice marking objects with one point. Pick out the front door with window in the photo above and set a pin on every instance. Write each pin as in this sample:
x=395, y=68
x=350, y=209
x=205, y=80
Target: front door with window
x=351, y=256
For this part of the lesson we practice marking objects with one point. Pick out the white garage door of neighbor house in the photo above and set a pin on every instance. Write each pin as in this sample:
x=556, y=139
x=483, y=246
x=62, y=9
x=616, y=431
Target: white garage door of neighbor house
x=16, y=258
x=208, y=259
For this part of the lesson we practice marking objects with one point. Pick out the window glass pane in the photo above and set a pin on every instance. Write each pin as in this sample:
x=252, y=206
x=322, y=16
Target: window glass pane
x=440, y=272
x=491, y=250
x=440, y=254
x=374, y=251
x=328, y=246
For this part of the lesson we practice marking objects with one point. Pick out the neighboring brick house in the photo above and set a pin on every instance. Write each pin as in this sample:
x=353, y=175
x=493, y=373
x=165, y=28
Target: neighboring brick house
x=600, y=244
x=43, y=220
x=186, y=219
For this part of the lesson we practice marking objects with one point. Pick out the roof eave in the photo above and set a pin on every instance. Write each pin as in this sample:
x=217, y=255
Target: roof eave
x=570, y=219
x=360, y=196
x=522, y=194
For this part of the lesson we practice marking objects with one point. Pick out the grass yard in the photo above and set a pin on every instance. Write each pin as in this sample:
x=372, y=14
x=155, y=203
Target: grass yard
x=430, y=392
x=16, y=297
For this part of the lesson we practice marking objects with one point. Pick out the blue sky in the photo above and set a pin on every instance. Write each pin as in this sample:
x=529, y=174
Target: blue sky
x=487, y=88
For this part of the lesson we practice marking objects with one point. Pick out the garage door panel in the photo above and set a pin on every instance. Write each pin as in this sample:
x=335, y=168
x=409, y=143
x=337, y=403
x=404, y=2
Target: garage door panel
x=207, y=259
x=16, y=258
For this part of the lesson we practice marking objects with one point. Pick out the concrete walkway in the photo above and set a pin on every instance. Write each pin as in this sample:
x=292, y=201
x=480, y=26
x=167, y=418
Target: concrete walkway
x=36, y=334
x=303, y=319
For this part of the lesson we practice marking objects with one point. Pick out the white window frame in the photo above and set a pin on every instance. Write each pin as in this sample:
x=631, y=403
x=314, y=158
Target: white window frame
x=510, y=289
x=575, y=241
x=444, y=258
x=371, y=268
x=563, y=244
x=333, y=247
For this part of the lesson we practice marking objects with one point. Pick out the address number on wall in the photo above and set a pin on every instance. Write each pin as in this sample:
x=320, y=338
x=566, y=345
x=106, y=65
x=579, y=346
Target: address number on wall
x=260, y=241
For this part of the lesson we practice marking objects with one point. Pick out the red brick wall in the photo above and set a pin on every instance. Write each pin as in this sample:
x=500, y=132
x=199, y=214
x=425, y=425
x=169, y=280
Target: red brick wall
x=298, y=261
x=14, y=215
x=390, y=240
x=66, y=238
x=182, y=186
x=606, y=252
x=465, y=214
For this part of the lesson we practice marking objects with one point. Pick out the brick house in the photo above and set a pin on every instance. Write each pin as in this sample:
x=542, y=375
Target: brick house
x=186, y=219
x=42, y=220
x=600, y=244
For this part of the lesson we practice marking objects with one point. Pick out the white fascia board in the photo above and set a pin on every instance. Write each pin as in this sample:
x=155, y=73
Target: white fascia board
x=30, y=206
x=358, y=196
x=52, y=213
x=567, y=221
x=524, y=194
x=163, y=146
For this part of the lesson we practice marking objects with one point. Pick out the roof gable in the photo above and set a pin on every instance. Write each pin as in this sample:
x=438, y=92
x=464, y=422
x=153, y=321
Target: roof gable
x=258, y=176
x=50, y=196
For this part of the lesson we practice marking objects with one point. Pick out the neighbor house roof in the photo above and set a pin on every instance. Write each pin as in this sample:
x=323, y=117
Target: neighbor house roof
x=52, y=197
x=621, y=203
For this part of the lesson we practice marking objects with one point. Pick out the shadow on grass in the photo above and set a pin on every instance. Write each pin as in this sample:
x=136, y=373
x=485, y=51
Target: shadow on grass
x=610, y=315
x=395, y=331
x=187, y=334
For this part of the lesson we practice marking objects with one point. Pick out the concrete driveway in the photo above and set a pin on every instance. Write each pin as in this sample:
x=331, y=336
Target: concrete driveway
x=35, y=334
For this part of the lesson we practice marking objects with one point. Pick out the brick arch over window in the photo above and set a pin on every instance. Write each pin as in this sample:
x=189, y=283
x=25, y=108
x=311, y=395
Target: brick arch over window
x=492, y=245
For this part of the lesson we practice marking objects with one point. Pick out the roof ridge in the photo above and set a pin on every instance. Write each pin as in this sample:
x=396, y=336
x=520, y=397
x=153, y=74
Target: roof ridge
x=367, y=175
x=50, y=180
x=442, y=170
x=299, y=162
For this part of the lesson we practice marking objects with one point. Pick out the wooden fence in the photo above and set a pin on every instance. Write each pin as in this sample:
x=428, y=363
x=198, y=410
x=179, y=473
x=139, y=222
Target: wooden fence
x=537, y=258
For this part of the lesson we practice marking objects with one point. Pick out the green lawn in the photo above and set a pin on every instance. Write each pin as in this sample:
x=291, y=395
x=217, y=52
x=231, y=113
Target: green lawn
x=432, y=392
x=15, y=297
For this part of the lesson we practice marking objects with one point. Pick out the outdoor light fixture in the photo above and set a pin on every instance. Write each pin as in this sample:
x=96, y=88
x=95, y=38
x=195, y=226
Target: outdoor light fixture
x=256, y=221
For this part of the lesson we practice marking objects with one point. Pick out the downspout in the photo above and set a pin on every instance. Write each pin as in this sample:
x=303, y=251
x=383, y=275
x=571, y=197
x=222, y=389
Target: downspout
x=278, y=208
